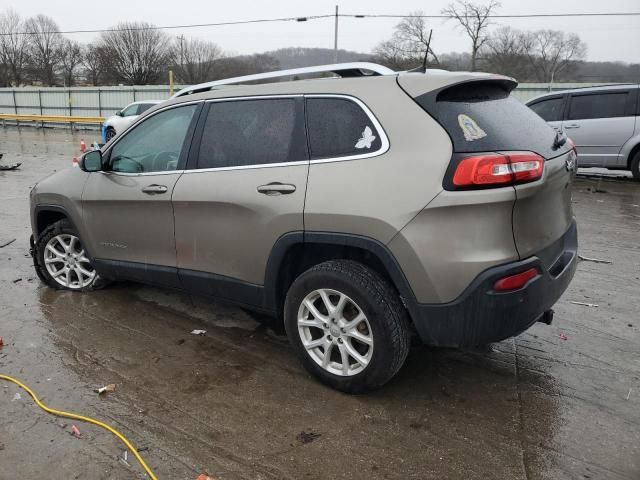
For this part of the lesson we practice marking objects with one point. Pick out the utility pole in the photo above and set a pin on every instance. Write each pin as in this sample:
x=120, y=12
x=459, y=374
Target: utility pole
x=181, y=37
x=335, y=38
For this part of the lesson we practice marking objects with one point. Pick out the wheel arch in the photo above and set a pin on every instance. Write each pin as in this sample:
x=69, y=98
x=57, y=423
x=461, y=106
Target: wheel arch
x=635, y=150
x=295, y=252
x=46, y=215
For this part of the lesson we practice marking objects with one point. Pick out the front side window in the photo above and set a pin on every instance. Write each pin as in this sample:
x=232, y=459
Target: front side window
x=550, y=110
x=130, y=110
x=338, y=127
x=155, y=144
x=605, y=105
x=252, y=132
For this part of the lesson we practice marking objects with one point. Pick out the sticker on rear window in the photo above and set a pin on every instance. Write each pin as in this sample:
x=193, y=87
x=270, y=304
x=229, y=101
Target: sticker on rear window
x=470, y=128
x=367, y=138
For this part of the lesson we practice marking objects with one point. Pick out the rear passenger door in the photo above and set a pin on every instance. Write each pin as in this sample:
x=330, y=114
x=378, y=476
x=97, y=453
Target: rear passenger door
x=244, y=188
x=599, y=123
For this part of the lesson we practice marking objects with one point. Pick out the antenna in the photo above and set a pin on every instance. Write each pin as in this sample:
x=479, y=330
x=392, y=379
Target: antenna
x=426, y=54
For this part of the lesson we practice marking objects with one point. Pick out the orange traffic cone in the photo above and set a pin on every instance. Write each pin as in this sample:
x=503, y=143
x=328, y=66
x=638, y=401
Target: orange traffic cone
x=83, y=146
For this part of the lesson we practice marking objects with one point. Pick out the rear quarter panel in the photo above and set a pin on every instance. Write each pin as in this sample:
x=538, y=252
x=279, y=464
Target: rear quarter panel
x=377, y=196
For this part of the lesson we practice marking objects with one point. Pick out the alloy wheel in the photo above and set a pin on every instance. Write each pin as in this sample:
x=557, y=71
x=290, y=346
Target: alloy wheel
x=335, y=332
x=67, y=263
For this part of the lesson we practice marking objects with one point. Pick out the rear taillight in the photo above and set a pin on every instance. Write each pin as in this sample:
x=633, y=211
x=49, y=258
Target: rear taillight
x=497, y=169
x=515, y=282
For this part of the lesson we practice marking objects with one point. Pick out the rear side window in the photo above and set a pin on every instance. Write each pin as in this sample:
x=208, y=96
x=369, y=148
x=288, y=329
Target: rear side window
x=481, y=116
x=253, y=132
x=605, y=105
x=338, y=127
x=550, y=110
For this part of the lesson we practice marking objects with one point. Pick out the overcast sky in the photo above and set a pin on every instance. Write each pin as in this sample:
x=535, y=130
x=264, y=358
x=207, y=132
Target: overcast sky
x=607, y=38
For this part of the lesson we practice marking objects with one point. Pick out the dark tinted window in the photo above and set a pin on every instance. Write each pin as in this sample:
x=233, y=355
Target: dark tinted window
x=155, y=144
x=253, y=132
x=605, y=105
x=483, y=117
x=550, y=110
x=143, y=107
x=339, y=127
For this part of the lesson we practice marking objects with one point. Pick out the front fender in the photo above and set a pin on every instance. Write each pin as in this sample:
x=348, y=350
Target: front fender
x=627, y=148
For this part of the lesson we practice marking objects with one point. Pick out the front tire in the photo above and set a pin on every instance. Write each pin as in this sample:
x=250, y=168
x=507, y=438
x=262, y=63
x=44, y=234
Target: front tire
x=61, y=260
x=347, y=325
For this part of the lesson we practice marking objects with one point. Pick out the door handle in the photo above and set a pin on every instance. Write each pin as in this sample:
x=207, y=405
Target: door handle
x=277, y=188
x=572, y=125
x=154, y=189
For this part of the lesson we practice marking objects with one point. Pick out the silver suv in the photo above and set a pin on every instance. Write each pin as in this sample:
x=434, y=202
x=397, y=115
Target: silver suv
x=359, y=210
x=603, y=122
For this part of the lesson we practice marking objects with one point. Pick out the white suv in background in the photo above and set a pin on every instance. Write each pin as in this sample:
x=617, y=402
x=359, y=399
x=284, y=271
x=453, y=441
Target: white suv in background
x=603, y=122
x=125, y=117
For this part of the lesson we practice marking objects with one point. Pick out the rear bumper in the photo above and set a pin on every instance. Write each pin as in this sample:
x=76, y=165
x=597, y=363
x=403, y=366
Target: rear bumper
x=480, y=315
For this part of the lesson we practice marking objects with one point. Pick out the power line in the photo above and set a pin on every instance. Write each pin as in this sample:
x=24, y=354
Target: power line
x=317, y=17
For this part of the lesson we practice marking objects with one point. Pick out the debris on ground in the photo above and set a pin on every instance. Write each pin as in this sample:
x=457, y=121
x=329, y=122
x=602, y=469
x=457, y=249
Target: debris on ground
x=17, y=280
x=75, y=431
x=107, y=388
x=142, y=449
x=563, y=337
x=307, y=437
x=16, y=397
x=594, y=260
x=584, y=304
x=124, y=458
x=629, y=394
x=13, y=166
x=199, y=332
x=1, y=342
x=7, y=243
x=205, y=476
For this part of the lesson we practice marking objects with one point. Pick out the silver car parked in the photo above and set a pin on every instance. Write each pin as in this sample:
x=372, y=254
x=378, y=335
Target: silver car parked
x=603, y=122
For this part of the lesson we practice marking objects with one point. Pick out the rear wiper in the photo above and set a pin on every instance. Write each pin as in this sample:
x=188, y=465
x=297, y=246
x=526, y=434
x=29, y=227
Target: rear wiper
x=559, y=140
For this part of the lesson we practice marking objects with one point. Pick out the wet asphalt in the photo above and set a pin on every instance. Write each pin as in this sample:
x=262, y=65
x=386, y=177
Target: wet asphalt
x=557, y=402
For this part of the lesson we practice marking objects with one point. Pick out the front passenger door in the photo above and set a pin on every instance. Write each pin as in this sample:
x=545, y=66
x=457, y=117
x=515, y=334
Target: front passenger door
x=127, y=207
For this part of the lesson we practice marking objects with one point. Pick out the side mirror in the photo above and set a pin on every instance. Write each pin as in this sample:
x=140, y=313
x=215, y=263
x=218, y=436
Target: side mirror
x=119, y=113
x=91, y=161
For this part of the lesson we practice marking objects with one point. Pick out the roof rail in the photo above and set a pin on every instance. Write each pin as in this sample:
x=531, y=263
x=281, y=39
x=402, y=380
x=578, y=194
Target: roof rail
x=354, y=69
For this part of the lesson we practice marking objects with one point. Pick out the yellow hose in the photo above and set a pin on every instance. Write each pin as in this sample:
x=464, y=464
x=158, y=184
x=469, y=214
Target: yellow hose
x=74, y=416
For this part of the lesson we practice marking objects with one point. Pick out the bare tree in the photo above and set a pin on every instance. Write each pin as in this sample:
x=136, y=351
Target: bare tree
x=13, y=46
x=474, y=19
x=550, y=52
x=138, y=53
x=194, y=60
x=94, y=62
x=70, y=60
x=45, y=47
x=410, y=44
x=504, y=53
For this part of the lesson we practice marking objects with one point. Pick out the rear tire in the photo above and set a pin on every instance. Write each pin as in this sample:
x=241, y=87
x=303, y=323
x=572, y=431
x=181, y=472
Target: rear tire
x=347, y=325
x=61, y=261
x=635, y=166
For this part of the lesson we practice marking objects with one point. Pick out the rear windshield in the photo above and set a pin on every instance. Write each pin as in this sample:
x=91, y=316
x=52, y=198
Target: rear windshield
x=482, y=117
